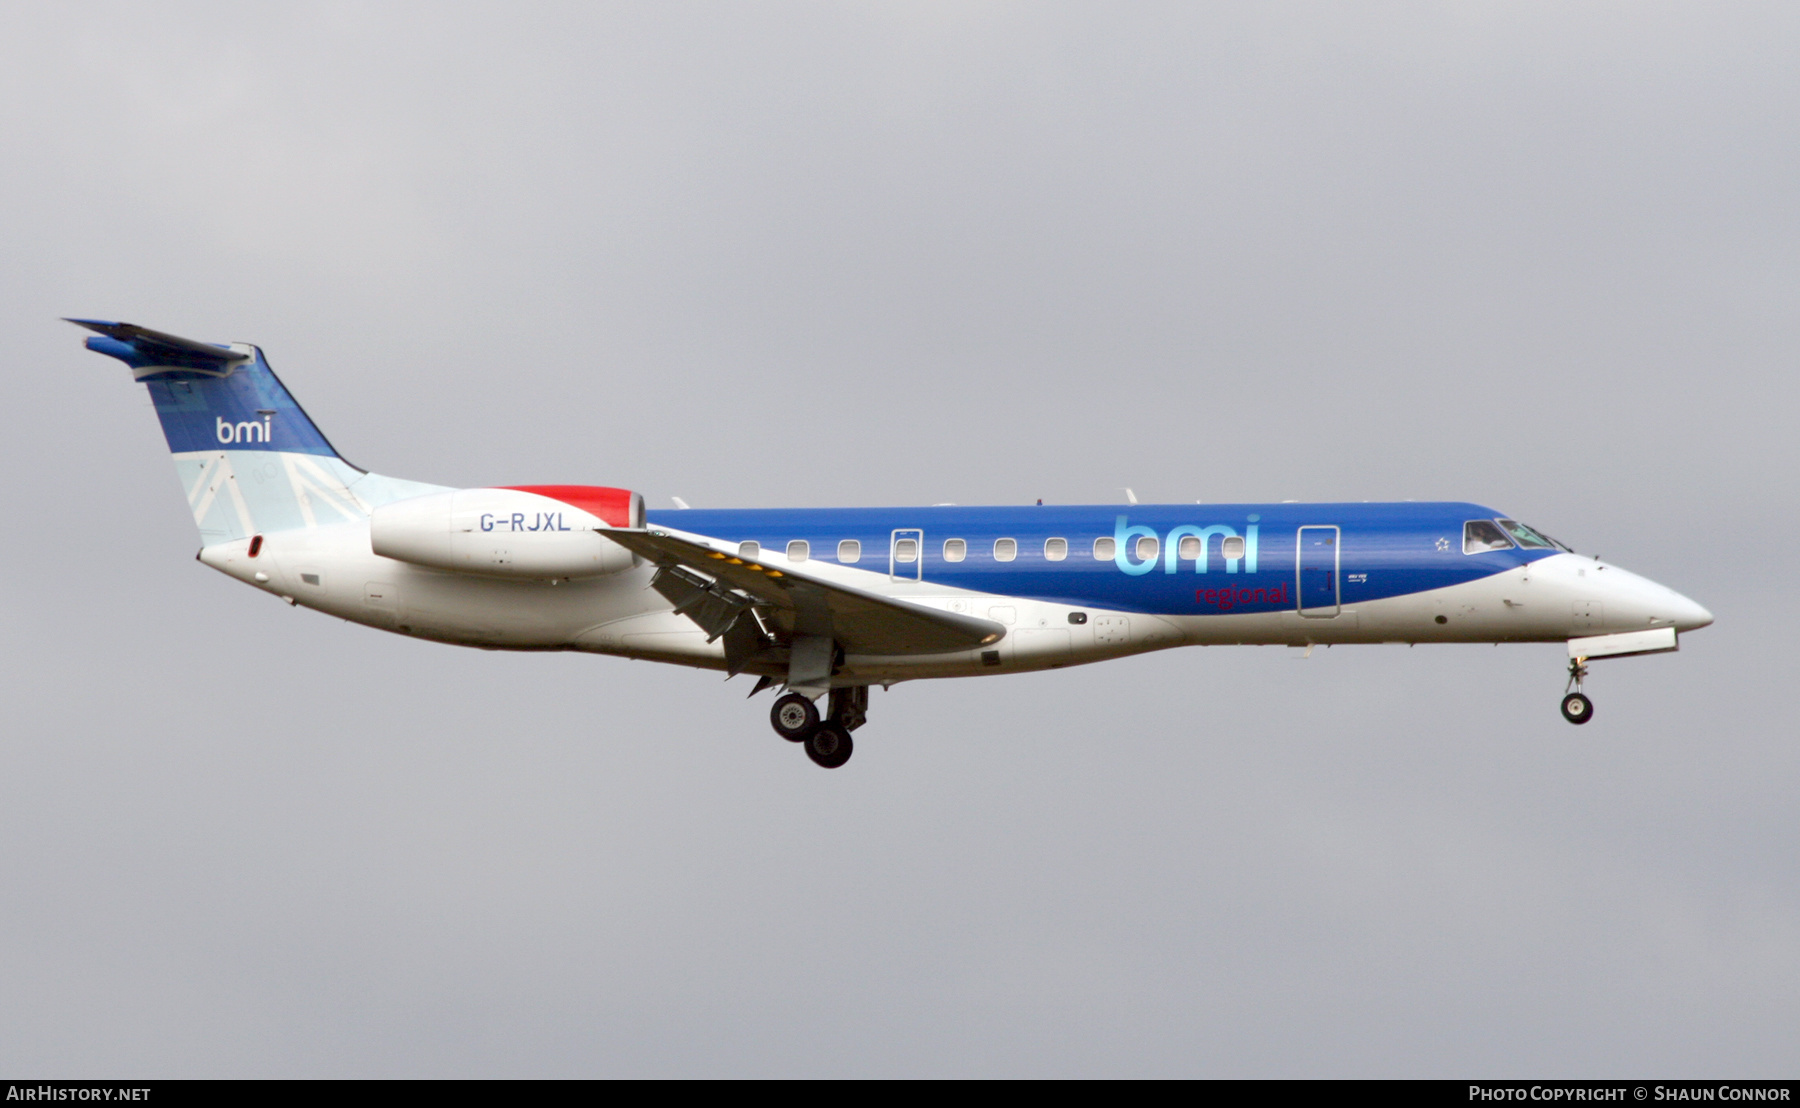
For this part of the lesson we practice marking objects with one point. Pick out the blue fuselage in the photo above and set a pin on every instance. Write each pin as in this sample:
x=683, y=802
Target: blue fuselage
x=1164, y=559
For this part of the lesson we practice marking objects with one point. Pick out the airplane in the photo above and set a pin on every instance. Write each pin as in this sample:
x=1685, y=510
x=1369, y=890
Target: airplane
x=825, y=602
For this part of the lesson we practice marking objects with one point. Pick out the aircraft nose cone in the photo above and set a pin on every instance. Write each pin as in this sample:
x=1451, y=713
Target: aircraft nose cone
x=1634, y=601
x=1690, y=616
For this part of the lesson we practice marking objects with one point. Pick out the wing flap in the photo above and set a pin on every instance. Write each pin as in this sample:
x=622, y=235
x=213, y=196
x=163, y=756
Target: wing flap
x=800, y=602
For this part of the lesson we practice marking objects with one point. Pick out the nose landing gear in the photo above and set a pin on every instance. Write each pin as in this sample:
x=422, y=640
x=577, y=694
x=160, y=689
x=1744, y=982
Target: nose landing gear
x=1576, y=707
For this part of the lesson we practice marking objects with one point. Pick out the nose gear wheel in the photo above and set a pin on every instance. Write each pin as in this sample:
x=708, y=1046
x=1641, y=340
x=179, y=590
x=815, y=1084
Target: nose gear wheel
x=1577, y=708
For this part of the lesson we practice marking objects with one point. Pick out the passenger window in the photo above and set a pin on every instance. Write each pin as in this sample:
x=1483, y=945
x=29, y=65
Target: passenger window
x=1190, y=547
x=1525, y=536
x=1005, y=550
x=1233, y=547
x=1147, y=548
x=749, y=551
x=1103, y=549
x=1055, y=550
x=849, y=551
x=1481, y=536
x=799, y=550
x=906, y=550
x=955, y=550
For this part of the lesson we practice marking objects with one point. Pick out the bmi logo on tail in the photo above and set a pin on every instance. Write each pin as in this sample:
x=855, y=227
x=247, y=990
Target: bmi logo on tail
x=245, y=431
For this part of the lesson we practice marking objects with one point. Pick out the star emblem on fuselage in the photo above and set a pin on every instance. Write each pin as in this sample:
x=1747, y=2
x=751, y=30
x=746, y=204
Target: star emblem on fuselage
x=1443, y=544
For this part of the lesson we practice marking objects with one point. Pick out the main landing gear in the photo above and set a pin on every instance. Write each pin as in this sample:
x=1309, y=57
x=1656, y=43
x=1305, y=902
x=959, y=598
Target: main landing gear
x=828, y=743
x=1576, y=707
x=830, y=746
x=794, y=717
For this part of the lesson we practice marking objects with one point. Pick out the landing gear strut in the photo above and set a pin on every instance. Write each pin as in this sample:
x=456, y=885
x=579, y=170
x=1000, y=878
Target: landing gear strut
x=1576, y=707
x=849, y=707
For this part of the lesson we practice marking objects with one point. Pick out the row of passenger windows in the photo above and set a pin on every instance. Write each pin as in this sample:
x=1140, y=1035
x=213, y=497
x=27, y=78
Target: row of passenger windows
x=1479, y=536
x=906, y=550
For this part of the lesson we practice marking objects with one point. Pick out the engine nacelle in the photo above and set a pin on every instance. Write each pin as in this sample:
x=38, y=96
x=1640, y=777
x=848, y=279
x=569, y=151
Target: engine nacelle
x=536, y=531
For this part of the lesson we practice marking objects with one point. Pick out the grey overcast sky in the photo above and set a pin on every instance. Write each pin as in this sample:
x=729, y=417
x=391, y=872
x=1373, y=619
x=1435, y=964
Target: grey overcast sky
x=1544, y=256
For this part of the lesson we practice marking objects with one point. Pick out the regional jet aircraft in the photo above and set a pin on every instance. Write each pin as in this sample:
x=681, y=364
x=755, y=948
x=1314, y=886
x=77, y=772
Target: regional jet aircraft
x=827, y=602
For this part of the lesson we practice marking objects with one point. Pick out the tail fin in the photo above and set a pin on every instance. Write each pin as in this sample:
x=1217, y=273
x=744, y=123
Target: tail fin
x=248, y=456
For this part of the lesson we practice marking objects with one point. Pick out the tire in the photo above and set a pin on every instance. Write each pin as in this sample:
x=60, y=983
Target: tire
x=830, y=746
x=1577, y=708
x=794, y=717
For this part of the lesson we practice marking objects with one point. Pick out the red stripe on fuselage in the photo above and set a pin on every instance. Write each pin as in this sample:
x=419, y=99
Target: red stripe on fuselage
x=611, y=505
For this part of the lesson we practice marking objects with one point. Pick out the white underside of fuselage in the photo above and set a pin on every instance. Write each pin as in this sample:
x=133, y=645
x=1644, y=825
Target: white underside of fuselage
x=332, y=569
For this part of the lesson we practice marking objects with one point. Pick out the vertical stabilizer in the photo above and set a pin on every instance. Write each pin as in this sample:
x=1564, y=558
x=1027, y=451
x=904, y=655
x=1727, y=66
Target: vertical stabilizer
x=249, y=458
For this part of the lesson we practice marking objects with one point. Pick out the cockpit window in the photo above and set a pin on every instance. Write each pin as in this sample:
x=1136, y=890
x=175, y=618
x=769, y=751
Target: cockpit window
x=1530, y=537
x=1480, y=536
x=1524, y=535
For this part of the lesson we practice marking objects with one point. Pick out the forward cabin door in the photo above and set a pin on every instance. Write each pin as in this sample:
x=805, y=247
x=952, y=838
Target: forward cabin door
x=1318, y=560
x=906, y=555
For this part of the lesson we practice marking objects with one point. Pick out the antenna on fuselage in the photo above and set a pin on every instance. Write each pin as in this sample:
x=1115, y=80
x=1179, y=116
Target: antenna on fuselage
x=1130, y=497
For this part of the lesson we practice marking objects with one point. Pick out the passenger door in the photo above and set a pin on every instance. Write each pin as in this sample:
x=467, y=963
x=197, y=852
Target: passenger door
x=1317, y=562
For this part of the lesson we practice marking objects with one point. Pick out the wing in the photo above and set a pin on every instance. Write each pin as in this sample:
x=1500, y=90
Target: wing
x=795, y=600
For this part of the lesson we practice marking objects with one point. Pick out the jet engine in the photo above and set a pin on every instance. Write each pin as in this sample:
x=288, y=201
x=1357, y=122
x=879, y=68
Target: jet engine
x=535, y=531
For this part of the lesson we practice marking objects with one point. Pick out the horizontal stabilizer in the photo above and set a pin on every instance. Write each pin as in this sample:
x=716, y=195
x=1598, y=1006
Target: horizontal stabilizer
x=155, y=346
x=801, y=602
